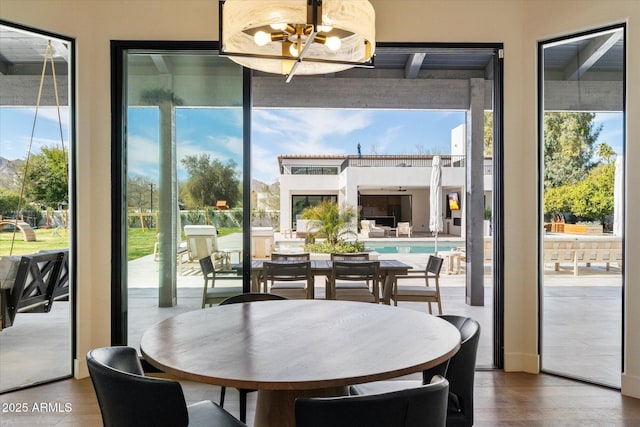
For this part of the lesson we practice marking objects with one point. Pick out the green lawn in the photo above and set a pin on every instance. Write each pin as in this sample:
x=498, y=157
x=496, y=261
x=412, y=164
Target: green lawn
x=140, y=241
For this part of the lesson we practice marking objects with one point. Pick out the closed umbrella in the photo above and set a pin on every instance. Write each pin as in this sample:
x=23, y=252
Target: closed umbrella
x=618, y=196
x=435, y=201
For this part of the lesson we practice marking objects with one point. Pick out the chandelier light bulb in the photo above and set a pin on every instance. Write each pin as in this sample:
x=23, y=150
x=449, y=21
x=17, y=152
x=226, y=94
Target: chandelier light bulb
x=261, y=38
x=333, y=43
x=279, y=26
x=324, y=28
x=293, y=49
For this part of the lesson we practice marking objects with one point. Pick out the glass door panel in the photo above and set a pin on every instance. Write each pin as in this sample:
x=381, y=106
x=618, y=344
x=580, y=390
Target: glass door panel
x=36, y=140
x=184, y=157
x=582, y=151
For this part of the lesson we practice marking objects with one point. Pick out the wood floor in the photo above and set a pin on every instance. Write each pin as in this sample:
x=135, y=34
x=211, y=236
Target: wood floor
x=501, y=399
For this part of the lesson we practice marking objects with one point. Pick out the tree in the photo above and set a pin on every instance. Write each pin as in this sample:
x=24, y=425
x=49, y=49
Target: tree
x=593, y=198
x=488, y=133
x=140, y=189
x=605, y=152
x=568, y=147
x=46, y=177
x=590, y=199
x=209, y=181
x=333, y=222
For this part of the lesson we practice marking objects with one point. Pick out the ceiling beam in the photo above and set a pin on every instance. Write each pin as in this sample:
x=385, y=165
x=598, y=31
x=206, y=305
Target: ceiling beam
x=590, y=54
x=413, y=65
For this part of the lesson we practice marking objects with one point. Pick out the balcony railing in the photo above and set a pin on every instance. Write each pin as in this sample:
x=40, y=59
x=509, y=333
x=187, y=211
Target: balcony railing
x=382, y=161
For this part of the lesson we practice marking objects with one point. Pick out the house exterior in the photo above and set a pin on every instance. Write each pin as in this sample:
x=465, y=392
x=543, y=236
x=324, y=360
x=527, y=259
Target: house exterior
x=385, y=188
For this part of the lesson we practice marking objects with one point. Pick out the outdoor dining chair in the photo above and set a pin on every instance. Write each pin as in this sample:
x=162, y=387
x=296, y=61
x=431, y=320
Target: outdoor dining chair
x=423, y=406
x=212, y=295
x=354, y=281
x=128, y=398
x=290, y=279
x=421, y=291
x=297, y=256
x=459, y=371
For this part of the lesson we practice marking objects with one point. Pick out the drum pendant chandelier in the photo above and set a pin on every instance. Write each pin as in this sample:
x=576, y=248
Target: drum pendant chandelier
x=298, y=37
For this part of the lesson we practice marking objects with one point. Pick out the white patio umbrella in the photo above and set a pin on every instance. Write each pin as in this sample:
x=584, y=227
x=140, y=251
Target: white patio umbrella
x=618, y=197
x=435, y=201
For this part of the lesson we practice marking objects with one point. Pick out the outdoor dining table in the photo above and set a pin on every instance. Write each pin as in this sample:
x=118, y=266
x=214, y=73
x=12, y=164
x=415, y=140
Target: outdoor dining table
x=389, y=269
x=291, y=348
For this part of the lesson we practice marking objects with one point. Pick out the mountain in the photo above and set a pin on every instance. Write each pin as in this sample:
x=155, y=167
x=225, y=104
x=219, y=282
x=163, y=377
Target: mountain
x=10, y=174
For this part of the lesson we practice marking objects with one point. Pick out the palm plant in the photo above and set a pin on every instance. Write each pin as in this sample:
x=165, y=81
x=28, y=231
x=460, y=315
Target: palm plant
x=331, y=221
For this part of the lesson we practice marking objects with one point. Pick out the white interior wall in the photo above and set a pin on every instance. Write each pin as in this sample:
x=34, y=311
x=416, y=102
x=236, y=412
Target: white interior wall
x=518, y=24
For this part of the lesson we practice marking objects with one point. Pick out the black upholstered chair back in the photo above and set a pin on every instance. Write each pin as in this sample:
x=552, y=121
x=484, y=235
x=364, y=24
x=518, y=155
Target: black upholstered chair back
x=128, y=398
x=460, y=371
x=424, y=406
x=251, y=297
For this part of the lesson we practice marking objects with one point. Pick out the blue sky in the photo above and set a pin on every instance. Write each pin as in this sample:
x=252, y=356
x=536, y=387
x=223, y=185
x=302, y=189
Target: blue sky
x=218, y=132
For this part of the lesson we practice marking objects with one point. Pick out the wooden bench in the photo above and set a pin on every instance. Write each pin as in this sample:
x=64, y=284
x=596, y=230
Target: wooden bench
x=38, y=280
x=585, y=251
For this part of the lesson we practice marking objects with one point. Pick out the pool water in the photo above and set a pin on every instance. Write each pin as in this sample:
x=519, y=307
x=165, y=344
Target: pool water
x=411, y=247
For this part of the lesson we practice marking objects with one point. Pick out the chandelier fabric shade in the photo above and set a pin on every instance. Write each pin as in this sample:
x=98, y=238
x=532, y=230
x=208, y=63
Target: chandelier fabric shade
x=298, y=36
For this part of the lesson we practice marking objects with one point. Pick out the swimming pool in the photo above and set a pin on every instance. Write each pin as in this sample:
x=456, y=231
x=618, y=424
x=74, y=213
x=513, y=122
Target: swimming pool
x=411, y=247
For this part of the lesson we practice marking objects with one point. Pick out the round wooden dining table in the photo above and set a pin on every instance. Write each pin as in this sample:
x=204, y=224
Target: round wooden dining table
x=291, y=348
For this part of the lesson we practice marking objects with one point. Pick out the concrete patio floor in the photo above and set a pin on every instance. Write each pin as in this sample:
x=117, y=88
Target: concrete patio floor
x=581, y=332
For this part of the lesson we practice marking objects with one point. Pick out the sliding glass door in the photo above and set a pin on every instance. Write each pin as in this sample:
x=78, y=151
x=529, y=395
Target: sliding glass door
x=182, y=161
x=582, y=150
x=36, y=205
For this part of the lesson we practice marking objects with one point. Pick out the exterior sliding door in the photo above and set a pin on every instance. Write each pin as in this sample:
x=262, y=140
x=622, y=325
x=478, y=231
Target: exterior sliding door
x=181, y=171
x=37, y=145
x=582, y=150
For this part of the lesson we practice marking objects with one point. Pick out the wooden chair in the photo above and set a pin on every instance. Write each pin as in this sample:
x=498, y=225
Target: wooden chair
x=212, y=295
x=354, y=281
x=128, y=398
x=420, y=292
x=290, y=279
x=32, y=283
x=297, y=256
x=422, y=406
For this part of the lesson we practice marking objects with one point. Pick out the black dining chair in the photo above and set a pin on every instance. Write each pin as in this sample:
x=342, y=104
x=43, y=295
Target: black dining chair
x=459, y=370
x=237, y=299
x=423, y=406
x=128, y=398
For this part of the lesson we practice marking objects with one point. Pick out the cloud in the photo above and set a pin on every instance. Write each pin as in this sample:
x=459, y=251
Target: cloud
x=305, y=131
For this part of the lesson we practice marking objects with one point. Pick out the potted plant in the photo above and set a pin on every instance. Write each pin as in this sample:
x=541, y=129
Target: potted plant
x=333, y=224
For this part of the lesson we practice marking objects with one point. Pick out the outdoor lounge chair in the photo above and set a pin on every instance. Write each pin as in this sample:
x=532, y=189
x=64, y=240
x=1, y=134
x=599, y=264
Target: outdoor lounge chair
x=369, y=228
x=202, y=241
x=404, y=228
